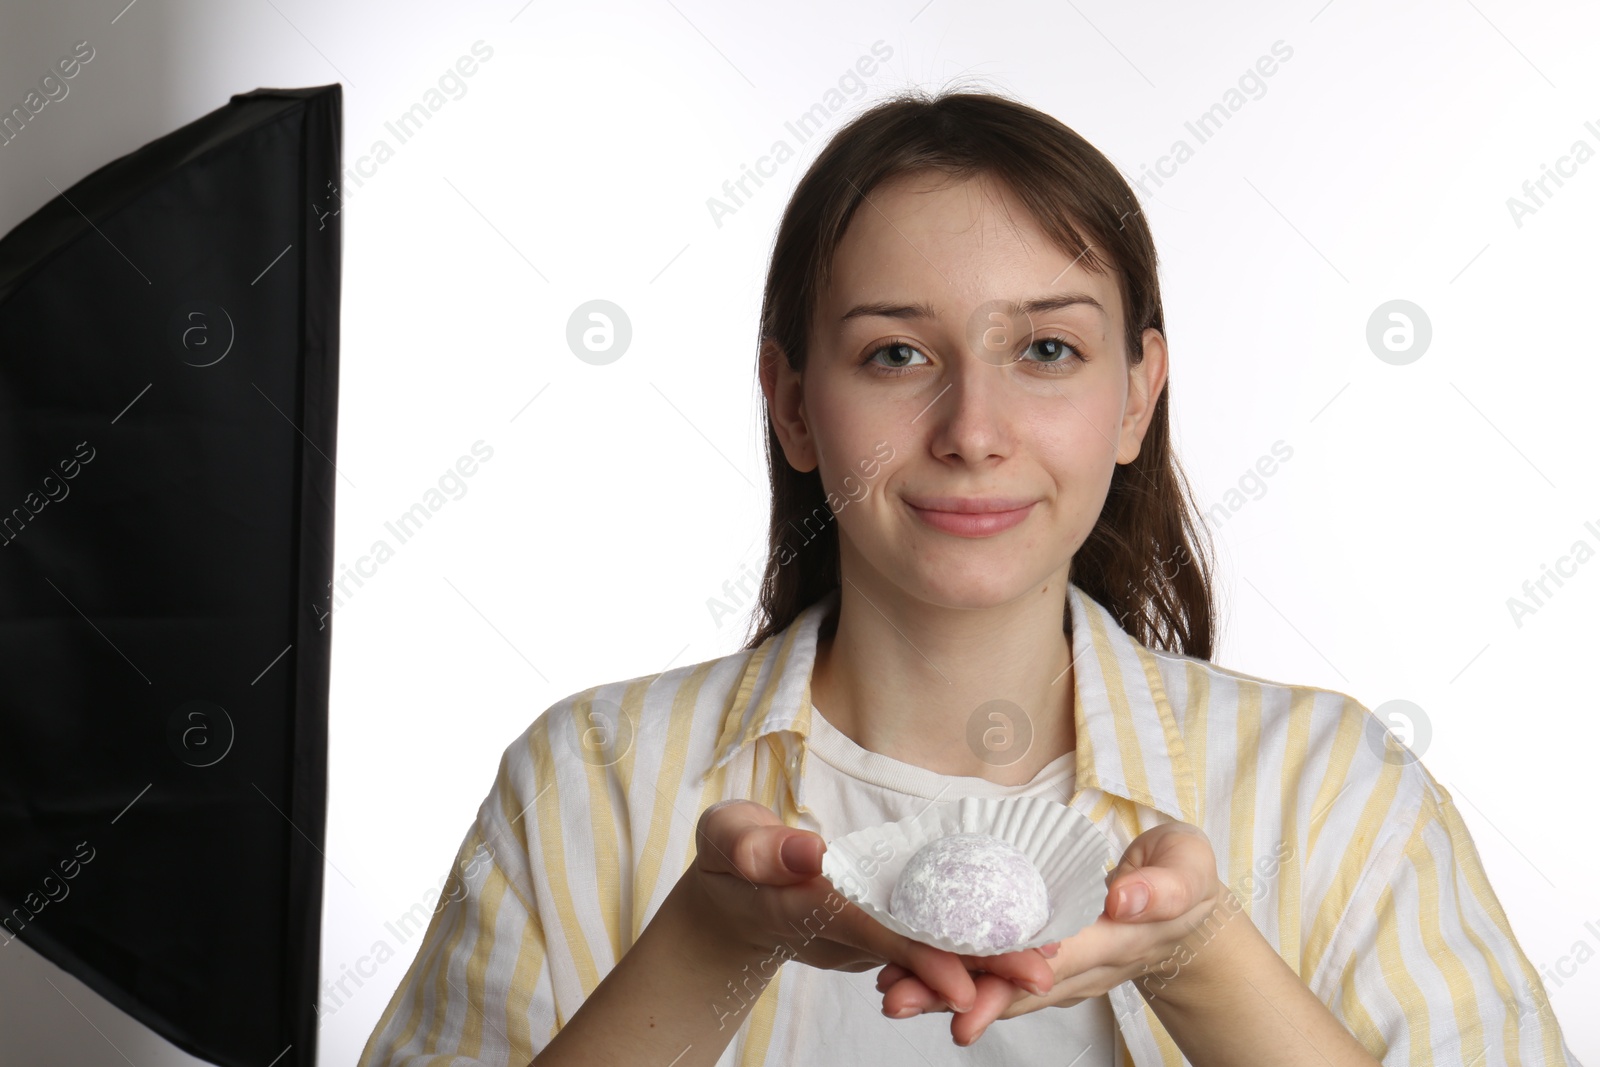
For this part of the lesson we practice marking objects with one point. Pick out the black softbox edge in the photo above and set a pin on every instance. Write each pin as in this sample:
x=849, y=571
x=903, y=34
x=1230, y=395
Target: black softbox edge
x=33, y=243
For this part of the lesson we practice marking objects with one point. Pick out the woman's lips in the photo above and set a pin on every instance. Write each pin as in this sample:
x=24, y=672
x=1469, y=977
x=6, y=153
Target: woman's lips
x=971, y=523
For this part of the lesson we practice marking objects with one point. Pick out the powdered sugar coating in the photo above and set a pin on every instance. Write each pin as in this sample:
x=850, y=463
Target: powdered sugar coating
x=972, y=887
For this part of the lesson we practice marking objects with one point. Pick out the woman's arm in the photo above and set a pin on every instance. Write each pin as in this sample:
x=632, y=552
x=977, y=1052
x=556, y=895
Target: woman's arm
x=667, y=1000
x=1230, y=999
x=725, y=930
x=1220, y=991
x=1425, y=966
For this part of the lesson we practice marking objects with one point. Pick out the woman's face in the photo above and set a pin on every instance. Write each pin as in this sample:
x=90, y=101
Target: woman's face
x=924, y=350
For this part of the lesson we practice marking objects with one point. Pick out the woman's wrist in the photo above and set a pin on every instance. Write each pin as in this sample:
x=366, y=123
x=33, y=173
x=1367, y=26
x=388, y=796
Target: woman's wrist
x=1228, y=997
x=723, y=945
x=1189, y=978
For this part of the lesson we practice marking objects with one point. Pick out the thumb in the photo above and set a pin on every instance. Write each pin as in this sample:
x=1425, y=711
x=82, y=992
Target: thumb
x=746, y=839
x=801, y=853
x=1147, y=894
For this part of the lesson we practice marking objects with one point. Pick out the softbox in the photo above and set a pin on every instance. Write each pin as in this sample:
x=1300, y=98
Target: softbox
x=169, y=332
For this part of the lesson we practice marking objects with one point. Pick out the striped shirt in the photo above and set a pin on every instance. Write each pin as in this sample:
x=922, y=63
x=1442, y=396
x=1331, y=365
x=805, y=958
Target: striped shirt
x=1349, y=857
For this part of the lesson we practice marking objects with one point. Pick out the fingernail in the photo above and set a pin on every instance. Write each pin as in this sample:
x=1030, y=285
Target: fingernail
x=1134, y=898
x=1050, y=951
x=903, y=1013
x=1040, y=989
x=795, y=853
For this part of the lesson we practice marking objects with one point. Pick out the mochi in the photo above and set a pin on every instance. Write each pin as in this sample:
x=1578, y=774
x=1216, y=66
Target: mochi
x=974, y=888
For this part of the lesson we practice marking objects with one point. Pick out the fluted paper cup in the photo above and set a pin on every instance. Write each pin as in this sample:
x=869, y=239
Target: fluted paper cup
x=1068, y=850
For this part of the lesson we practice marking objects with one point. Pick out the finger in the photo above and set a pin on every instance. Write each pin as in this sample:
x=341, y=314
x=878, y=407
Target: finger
x=889, y=975
x=1177, y=867
x=1150, y=894
x=903, y=990
x=1101, y=941
x=912, y=992
x=995, y=995
x=743, y=838
x=1027, y=968
x=941, y=971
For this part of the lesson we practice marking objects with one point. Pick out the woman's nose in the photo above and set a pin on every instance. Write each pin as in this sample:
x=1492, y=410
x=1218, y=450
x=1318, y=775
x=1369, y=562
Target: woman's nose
x=970, y=416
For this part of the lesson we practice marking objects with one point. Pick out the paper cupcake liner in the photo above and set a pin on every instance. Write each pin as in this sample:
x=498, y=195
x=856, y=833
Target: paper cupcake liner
x=1068, y=850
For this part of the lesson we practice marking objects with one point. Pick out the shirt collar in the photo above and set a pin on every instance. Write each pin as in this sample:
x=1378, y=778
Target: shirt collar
x=1128, y=741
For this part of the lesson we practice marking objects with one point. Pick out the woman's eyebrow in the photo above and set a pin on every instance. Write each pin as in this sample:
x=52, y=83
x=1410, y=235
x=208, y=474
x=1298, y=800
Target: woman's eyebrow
x=1036, y=306
x=1060, y=301
x=886, y=310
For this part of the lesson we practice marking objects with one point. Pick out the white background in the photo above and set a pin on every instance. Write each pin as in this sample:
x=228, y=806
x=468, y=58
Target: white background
x=577, y=165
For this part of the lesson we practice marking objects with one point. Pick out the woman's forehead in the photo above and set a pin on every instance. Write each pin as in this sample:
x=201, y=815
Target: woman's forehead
x=966, y=241
x=938, y=291
x=940, y=207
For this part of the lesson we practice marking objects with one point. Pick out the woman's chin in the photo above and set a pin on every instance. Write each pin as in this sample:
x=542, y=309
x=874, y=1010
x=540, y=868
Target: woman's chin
x=972, y=592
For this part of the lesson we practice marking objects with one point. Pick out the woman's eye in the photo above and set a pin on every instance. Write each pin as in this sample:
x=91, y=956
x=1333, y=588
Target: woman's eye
x=1055, y=350
x=899, y=355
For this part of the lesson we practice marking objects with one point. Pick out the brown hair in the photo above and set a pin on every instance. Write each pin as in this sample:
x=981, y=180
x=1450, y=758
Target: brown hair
x=1138, y=561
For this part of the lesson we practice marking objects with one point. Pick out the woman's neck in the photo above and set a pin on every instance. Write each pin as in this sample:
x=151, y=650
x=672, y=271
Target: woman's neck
x=985, y=693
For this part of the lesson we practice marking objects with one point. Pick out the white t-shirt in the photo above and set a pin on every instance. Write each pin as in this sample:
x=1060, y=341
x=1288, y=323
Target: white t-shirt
x=848, y=788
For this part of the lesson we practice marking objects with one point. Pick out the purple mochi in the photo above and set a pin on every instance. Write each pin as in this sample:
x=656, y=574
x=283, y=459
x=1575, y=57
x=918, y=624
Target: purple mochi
x=973, y=888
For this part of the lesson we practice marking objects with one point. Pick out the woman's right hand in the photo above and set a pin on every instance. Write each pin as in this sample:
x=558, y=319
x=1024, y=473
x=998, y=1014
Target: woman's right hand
x=760, y=887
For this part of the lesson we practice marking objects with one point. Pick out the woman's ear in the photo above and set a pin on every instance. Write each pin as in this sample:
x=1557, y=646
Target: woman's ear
x=1146, y=379
x=786, y=407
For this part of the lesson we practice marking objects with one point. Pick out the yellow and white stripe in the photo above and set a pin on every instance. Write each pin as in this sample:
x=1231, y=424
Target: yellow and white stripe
x=1359, y=870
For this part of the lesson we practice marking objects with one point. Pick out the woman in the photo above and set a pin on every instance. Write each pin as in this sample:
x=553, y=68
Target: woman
x=983, y=579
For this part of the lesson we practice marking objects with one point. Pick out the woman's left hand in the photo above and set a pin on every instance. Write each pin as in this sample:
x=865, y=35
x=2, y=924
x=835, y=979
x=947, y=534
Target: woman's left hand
x=1165, y=886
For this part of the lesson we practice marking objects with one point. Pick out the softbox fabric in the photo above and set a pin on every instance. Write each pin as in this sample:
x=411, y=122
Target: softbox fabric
x=168, y=391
